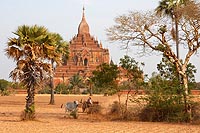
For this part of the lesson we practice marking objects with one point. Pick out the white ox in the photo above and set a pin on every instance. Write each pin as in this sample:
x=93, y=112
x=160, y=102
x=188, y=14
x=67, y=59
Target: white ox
x=70, y=106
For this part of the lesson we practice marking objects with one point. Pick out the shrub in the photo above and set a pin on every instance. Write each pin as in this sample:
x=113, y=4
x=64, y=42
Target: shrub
x=17, y=85
x=5, y=92
x=115, y=108
x=94, y=109
x=163, y=105
x=119, y=112
x=164, y=102
x=45, y=90
x=61, y=88
x=106, y=89
x=97, y=90
x=85, y=92
x=4, y=85
x=171, y=113
x=110, y=91
x=195, y=108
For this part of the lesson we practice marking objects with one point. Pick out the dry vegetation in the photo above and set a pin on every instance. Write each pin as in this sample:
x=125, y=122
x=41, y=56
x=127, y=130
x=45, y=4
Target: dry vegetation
x=52, y=118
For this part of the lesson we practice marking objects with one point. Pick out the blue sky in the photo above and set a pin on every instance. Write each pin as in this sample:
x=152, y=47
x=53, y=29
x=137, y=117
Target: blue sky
x=64, y=16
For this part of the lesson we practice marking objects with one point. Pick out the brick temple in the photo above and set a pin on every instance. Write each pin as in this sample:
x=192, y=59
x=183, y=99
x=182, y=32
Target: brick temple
x=86, y=53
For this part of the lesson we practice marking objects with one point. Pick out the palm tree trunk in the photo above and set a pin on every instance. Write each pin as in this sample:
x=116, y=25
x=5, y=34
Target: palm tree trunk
x=52, y=99
x=177, y=48
x=177, y=37
x=29, y=99
x=30, y=104
x=74, y=90
x=90, y=89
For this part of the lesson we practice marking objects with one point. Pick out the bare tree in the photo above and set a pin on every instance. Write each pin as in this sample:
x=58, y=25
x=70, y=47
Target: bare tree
x=153, y=33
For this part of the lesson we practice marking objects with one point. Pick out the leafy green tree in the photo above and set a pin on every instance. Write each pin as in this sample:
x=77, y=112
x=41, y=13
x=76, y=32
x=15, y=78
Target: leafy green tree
x=133, y=73
x=4, y=85
x=168, y=72
x=30, y=49
x=105, y=75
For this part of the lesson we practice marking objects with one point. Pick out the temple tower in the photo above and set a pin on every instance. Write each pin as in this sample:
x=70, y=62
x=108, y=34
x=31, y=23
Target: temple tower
x=86, y=53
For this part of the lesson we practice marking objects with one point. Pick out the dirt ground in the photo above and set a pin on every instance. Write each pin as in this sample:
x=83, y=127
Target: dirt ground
x=52, y=118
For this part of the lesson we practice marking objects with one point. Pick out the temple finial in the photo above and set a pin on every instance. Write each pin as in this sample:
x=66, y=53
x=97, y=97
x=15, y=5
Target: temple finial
x=83, y=11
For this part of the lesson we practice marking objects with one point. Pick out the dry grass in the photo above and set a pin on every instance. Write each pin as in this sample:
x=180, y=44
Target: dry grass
x=52, y=118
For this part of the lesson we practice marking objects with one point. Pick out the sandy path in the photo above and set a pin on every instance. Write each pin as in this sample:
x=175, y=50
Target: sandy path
x=51, y=119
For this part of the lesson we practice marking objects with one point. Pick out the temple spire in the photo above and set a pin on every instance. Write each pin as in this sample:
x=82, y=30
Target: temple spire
x=83, y=26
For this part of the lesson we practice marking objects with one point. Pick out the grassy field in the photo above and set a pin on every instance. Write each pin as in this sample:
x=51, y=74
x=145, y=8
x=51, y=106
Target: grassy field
x=52, y=118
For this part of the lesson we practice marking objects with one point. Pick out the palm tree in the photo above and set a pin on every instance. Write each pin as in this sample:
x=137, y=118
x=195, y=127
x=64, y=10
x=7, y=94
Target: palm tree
x=29, y=50
x=89, y=82
x=61, y=49
x=170, y=8
x=75, y=81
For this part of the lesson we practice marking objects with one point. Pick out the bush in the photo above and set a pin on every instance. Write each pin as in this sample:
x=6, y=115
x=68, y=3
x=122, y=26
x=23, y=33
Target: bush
x=45, y=90
x=165, y=103
x=61, y=88
x=17, y=85
x=115, y=108
x=195, y=108
x=97, y=90
x=5, y=92
x=4, y=85
x=171, y=113
x=94, y=109
x=110, y=91
x=105, y=89
x=119, y=112
x=85, y=92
